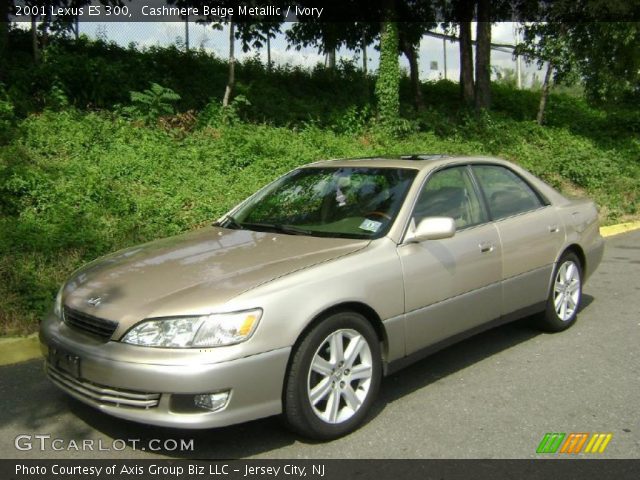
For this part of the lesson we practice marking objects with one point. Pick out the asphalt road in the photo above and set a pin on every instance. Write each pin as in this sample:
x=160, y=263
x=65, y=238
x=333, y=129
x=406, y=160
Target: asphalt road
x=492, y=396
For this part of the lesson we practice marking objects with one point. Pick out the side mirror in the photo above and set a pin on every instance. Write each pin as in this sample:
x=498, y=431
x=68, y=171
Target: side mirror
x=431, y=228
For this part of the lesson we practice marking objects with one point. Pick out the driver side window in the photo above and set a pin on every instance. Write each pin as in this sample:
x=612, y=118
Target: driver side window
x=450, y=193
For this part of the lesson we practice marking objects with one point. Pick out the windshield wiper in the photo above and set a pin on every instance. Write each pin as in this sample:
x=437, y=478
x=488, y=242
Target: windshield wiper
x=230, y=222
x=277, y=227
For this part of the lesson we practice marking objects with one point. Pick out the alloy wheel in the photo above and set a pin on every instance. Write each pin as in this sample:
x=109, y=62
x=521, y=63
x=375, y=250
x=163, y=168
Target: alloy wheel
x=566, y=290
x=340, y=376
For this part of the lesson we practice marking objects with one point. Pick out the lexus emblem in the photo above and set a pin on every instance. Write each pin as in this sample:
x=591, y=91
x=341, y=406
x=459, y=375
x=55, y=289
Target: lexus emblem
x=94, y=301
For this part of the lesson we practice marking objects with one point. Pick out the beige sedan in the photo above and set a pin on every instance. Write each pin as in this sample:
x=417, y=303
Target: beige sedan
x=298, y=300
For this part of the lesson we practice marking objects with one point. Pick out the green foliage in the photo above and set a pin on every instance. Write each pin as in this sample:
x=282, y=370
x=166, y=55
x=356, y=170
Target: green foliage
x=56, y=99
x=102, y=183
x=604, y=56
x=95, y=74
x=214, y=114
x=7, y=116
x=388, y=83
x=353, y=121
x=79, y=180
x=150, y=104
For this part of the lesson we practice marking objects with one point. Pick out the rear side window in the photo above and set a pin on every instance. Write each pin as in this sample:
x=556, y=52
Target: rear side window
x=507, y=194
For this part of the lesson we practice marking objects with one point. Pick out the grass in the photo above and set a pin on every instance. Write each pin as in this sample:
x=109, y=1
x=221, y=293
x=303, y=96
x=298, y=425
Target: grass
x=102, y=183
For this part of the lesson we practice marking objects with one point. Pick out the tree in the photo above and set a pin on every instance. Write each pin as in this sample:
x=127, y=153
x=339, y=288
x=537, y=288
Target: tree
x=603, y=55
x=258, y=34
x=329, y=36
x=250, y=33
x=463, y=11
x=608, y=59
x=231, y=80
x=388, y=82
x=410, y=35
x=546, y=87
x=58, y=25
x=4, y=30
x=410, y=51
x=483, y=56
x=547, y=43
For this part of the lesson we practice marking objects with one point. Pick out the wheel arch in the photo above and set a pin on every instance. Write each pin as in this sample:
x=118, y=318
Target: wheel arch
x=352, y=306
x=579, y=252
x=571, y=248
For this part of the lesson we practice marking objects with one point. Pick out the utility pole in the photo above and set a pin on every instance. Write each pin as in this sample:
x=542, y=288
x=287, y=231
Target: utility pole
x=518, y=59
x=364, y=54
x=186, y=32
x=268, y=52
x=232, y=65
x=444, y=54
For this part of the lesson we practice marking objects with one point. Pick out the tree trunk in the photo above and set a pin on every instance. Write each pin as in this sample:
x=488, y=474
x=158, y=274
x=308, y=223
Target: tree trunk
x=268, y=52
x=331, y=59
x=411, y=52
x=546, y=87
x=444, y=56
x=34, y=39
x=4, y=30
x=45, y=31
x=483, y=56
x=466, y=63
x=232, y=66
x=186, y=33
x=388, y=82
x=364, y=54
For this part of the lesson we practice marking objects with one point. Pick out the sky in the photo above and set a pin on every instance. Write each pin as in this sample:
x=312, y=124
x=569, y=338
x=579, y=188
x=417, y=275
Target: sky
x=431, y=52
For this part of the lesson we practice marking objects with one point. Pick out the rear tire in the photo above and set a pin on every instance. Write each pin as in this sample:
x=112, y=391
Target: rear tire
x=565, y=295
x=333, y=378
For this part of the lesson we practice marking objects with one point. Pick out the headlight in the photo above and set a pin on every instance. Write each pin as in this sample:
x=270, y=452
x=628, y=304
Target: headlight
x=57, y=306
x=206, y=331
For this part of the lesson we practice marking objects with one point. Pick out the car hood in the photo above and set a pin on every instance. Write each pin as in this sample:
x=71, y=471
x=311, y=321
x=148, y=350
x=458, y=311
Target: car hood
x=192, y=273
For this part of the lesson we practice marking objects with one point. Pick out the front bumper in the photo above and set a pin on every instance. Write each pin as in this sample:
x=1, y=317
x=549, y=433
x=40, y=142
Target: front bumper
x=160, y=390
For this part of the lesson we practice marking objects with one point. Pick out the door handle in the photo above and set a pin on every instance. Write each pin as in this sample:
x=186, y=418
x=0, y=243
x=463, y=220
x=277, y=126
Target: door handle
x=554, y=228
x=486, y=247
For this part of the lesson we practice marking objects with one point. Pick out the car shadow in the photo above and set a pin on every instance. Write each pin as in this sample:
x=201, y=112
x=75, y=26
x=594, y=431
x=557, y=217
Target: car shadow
x=459, y=356
x=238, y=441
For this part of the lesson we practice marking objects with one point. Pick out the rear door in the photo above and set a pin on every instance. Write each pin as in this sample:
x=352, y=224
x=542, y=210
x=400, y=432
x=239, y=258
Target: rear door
x=531, y=234
x=453, y=284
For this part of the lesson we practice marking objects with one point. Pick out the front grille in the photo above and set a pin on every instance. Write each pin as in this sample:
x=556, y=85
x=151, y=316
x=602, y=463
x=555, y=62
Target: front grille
x=83, y=321
x=101, y=394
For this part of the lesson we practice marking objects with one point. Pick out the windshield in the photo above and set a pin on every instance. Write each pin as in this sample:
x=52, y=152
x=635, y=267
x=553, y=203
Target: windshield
x=348, y=202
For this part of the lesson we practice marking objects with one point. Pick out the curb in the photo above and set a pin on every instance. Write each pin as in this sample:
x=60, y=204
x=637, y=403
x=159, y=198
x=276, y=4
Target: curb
x=612, y=230
x=19, y=349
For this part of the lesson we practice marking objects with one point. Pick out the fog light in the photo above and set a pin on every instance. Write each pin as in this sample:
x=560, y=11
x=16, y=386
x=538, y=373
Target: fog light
x=212, y=401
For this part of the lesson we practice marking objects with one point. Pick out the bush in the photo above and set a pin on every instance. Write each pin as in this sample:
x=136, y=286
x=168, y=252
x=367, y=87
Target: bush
x=150, y=104
x=7, y=116
x=102, y=183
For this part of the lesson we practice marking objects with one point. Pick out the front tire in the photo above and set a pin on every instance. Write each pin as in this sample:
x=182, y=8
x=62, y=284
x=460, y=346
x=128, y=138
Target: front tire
x=333, y=378
x=565, y=295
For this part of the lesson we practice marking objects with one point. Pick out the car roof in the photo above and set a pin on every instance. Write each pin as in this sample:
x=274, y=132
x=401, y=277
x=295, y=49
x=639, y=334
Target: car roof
x=420, y=161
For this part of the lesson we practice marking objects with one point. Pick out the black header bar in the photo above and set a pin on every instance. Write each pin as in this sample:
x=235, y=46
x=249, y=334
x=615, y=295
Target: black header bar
x=322, y=10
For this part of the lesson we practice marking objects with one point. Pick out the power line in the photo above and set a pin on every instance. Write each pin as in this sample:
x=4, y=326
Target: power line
x=501, y=47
